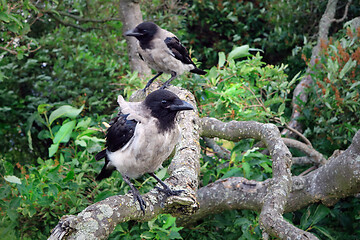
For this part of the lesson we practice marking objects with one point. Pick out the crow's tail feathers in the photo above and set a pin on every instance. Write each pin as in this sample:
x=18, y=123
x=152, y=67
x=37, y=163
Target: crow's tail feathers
x=107, y=169
x=105, y=173
x=198, y=71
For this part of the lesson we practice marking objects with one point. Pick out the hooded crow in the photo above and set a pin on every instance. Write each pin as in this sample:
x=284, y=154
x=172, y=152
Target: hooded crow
x=141, y=137
x=162, y=51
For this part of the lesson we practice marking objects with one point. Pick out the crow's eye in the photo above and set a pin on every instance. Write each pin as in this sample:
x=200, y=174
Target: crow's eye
x=163, y=102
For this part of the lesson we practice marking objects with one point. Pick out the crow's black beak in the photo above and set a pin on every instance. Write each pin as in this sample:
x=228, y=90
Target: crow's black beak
x=133, y=33
x=183, y=106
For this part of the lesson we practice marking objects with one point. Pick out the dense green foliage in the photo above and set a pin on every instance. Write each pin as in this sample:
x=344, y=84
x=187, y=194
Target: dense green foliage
x=58, y=84
x=335, y=100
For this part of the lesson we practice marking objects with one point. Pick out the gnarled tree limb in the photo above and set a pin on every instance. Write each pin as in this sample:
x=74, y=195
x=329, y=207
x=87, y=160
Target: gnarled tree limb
x=275, y=199
x=338, y=178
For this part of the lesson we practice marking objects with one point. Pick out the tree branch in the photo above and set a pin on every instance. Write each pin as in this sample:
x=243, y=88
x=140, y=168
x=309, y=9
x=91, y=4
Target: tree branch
x=218, y=150
x=345, y=13
x=98, y=220
x=61, y=21
x=316, y=157
x=274, y=201
x=338, y=178
x=80, y=19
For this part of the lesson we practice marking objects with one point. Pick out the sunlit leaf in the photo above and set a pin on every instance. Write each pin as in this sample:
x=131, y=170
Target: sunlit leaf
x=238, y=52
x=64, y=133
x=65, y=111
x=221, y=59
x=12, y=179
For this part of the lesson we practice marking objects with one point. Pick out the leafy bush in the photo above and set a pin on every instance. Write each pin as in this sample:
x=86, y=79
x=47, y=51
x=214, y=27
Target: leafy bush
x=63, y=183
x=334, y=100
x=245, y=90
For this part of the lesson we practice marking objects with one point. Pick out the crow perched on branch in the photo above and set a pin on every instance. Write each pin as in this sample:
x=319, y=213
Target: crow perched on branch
x=141, y=137
x=163, y=52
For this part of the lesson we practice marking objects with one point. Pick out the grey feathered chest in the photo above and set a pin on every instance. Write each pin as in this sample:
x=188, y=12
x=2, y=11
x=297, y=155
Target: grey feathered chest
x=159, y=57
x=149, y=146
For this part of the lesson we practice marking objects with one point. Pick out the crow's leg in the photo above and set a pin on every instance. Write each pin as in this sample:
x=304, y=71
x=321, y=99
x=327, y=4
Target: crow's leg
x=165, y=188
x=167, y=83
x=151, y=80
x=136, y=194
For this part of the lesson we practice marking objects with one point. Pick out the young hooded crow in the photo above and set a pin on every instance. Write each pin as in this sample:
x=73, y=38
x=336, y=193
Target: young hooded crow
x=141, y=137
x=162, y=51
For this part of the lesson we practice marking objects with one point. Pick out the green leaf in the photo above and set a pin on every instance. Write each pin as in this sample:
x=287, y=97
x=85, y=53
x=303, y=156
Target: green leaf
x=325, y=232
x=4, y=17
x=355, y=84
x=320, y=213
x=238, y=52
x=64, y=133
x=81, y=143
x=69, y=176
x=12, y=179
x=347, y=67
x=84, y=123
x=169, y=222
x=65, y=111
x=42, y=108
x=213, y=75
x=266, y=167
x=147, y=235
x=233, y=172
x=294, y=79
x=246, y=168
x=53, y=148
x=221, y=59
x=281, y=109
x=161, y=173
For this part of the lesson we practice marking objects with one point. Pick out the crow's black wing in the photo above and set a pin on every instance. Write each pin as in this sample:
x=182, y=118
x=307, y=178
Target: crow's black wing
x=178, y=50
x=120, y=132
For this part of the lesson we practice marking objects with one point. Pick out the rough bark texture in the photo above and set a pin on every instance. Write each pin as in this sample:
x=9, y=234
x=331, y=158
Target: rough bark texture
x=275, y=199
x=131, y=16
x=99, y=220
x=338, y=178
x=299, y=92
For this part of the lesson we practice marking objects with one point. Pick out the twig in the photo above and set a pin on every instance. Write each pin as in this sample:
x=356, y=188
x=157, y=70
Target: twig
x=221, y=152
x=294, y=131
x=80, y=19
x=345, y=13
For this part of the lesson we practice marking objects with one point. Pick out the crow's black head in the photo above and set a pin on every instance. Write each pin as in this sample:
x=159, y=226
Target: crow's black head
x=164, y=105
x=144, y=32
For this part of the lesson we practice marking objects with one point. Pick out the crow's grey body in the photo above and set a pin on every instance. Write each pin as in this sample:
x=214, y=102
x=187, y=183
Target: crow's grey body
x=160, y=57
x=143, y=153
x=141, y=137
x=162, y=51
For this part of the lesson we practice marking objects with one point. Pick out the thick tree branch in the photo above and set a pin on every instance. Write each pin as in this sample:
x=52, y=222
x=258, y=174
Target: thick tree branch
x=98, y=220
x=274, y=201
x=338, y=178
